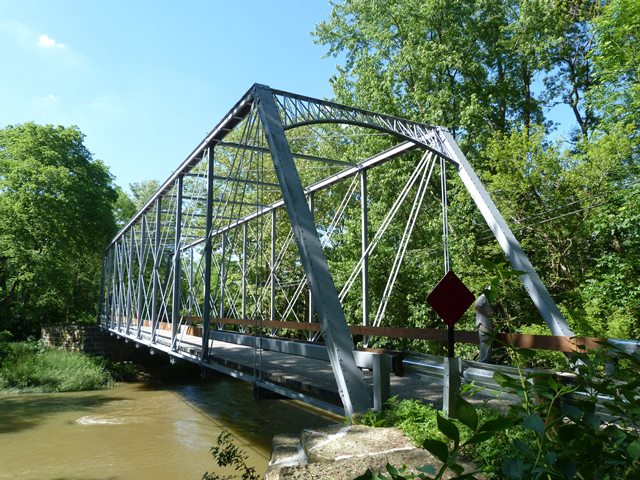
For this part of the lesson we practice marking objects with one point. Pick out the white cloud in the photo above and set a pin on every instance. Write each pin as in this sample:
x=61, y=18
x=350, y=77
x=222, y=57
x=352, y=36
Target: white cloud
x=45, y=41
x=46, y=102
x=52, y=99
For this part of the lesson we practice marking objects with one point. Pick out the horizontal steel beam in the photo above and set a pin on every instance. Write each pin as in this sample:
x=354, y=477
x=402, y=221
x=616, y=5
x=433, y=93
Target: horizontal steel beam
x=301, y=156
x=246, y=180
x=300, y=349
x=378, y=159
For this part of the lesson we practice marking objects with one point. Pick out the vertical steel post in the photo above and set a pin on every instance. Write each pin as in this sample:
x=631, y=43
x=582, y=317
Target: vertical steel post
x=114, y=289
x=101, y=297
x=353, y=390
x=108, y=289
x=143, y=244
x=132, y=241
x=206, y=307
x=118, y=266
x=445, y=215
x=364, y=225
x=222, y=275
x=272, y=279
x=244, y=271
x=312, y=209
x=191, y=290
x=177, y=268
x=157, y=257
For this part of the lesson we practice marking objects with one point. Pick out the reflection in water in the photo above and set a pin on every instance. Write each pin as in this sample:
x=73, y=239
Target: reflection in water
x=139, y=431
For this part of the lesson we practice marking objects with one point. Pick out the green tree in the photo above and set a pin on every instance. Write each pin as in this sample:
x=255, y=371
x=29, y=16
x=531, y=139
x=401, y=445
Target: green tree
x=55, y=219
x=141, y=192
x=489, y=71
x=127, y=205
x=124, y=208
x=617, y=63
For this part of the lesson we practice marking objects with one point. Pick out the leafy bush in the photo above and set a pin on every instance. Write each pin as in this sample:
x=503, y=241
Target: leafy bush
x=28, y=366
x=227, y=454
x=124, y=371
x=419, y=421
x=414, y=418
x=451, y=445
x=586, y=429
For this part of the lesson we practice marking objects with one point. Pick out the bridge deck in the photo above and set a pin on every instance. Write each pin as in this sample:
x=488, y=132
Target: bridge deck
x=307, y=379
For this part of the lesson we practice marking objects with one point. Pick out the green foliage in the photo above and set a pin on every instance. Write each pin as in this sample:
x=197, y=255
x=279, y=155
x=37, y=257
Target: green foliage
x=125, y=371
x=617, y=62
x=423, y=425
x=228, y=455
x=586, y=429
x=448, y=440
x=414, y=418
x=55, y=219
x=473, y=68
x=141, y=192
x=124, y=208
x=30, y=367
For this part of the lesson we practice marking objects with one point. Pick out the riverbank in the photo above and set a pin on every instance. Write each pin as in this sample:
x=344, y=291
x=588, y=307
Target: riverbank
x=32, y=367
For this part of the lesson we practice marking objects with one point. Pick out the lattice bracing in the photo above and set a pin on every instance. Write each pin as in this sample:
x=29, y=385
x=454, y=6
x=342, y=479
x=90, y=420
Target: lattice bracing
x=243, y=234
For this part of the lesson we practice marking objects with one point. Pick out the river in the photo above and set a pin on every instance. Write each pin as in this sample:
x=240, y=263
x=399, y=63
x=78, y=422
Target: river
x=140, y=430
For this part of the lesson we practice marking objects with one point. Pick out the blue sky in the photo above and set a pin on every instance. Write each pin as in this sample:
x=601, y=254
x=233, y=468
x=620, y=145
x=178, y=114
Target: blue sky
x=146, y=80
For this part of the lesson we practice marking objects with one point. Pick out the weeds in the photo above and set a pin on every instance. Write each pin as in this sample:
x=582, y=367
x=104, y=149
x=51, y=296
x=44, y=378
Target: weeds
x=31, y=367
x=586, y=429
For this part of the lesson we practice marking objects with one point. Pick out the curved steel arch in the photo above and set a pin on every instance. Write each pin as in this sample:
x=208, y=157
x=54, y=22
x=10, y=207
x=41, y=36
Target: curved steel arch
x=314, y=111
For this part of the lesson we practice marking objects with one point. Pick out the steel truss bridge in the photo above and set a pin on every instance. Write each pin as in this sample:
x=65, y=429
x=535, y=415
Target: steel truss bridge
x=232, y=248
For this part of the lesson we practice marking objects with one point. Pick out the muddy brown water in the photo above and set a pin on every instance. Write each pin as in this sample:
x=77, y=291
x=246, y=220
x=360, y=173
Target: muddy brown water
x=140, y=431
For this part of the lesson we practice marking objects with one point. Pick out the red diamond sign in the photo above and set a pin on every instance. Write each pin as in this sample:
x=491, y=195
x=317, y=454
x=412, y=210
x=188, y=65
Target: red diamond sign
x=451, y=298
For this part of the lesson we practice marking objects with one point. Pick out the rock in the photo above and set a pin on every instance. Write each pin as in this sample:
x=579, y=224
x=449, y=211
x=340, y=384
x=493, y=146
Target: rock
x=286, y=451
x=343, y=453
x=350, y=468
x=339, y=443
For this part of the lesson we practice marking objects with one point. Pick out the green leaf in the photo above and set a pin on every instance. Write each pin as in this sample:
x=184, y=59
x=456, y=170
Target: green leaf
x=567, y=433
x=466, y=413
x=550, y=458
x=449, y=428
x=567, y=467
x=429, y=469
x=506, y=381
x=496, y=425
x=633, y=449
x=526, y=353
x=572, y=411
x=368, y=475
x=535, y=423
x=438, y=449
x=513, y=468
x=592, y=420
x=392, y=470
x=479, y=437
x=456, y=468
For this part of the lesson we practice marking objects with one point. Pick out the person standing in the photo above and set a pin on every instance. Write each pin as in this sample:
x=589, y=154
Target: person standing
x=484, y=325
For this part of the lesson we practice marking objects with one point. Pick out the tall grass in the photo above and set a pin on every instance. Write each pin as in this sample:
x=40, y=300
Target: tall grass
x=30, y=367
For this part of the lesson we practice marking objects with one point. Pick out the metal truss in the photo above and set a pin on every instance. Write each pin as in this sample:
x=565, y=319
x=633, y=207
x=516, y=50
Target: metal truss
x=213, y=250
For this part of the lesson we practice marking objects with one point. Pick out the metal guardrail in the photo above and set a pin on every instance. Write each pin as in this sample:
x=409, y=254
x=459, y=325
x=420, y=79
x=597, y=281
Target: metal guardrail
x=481, y=375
